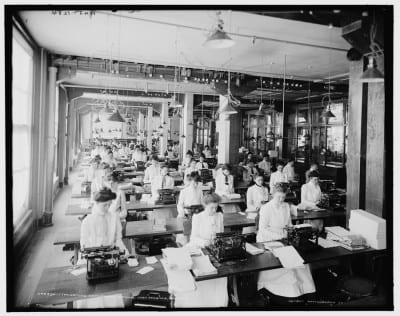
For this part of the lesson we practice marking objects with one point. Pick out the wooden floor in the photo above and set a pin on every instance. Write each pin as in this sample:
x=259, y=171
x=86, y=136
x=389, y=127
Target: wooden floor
x=41, y=252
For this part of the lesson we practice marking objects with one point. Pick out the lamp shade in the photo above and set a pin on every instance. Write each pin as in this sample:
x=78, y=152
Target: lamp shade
x=219, y=39
x=226, y=108
x=371, y=75
x=260, y=111
x=116, y=117
x=327, y=114
x=97, y=120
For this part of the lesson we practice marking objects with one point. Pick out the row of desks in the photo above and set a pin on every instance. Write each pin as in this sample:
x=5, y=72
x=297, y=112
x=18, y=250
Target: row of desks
x=58, y=285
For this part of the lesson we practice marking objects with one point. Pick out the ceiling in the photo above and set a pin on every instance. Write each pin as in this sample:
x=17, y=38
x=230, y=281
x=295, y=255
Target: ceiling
x=176, y=38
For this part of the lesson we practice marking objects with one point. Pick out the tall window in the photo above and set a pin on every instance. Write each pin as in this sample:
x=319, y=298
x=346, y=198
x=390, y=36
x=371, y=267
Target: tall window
x=22, y=60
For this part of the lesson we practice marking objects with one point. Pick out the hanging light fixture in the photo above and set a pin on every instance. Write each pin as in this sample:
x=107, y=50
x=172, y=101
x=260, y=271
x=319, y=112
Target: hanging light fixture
x=372, y=74
x=260, y=112
x=326, y=113
x=97, y=120
x=116, y=117
x=226, y=107
x=218, y=38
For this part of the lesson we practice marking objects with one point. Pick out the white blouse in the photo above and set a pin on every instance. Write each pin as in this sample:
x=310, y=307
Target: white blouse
x=276, y=177
x=289, y=171
x=221, y=188
x=201, y=165
x=189, y=170
x=205, y=227
x=101, y=230
x=161, y=182
x=254, y=196
x=189, y=196
x=249, y=174
x=151, y=172
x=310, y=193
x=265, y=166
x=274, y=216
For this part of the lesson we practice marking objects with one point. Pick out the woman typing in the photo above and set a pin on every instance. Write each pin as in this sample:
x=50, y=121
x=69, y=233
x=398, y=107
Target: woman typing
x=205, y=226
x=311, y=196
x=284, y=282
x=224, y=186
x=161, y=182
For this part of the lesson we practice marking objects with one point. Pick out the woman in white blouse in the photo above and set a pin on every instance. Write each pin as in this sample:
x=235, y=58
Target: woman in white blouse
x=90, y=173
x=249, y=172
x=160, y=182
x=102, y=228
x=191, y=195
x=277, y=177
x=311, y=196
x=224, y=186
x=205, y=226
x=202, y=164
x=191, y=168
x=284, y=282
x=289, y=170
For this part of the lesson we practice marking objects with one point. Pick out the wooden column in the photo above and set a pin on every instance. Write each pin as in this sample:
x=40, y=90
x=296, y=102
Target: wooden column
x=51, y=148
x=61, y=136
x=187, y=129
x=375, y=160
x=68, y=143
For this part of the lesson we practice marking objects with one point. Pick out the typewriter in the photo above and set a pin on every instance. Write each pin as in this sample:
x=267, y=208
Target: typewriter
x=102, y=263
x=166, y=196
x=206, y=175
x=155, y=299
x=228, y=246
x=325, y=201
x=86, y=188
x=194, y=209
x=140, y=166
x=327, y=185
x=299, y=236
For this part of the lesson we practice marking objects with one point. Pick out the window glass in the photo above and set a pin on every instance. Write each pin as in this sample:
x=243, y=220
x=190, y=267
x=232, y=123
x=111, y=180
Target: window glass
x=318, y=145
x=337, y=110
x=302, y=116
x=335, y=141
x=21, y=120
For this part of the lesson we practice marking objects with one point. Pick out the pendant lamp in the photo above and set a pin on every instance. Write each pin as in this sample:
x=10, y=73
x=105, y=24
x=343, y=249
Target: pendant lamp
x=116, y=117
x=218, y=38
x=372, y=74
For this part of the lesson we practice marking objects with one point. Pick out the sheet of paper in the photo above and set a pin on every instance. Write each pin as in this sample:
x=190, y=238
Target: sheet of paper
x=145, y=270
x=79, y=271
x=178, y=280
x=288, y=256
x=270, y=245
x=253, y=250
x=151, y=260
x=133, y=262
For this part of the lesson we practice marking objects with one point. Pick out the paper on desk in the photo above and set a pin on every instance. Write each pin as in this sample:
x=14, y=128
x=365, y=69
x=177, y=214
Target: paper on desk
x=133, y=262
x=178, y=280
x=145, y=270
x=326, y=243
x=79, y=271
x=151, y=260
x=288, y=256
x=253, y=250
x=271, y=245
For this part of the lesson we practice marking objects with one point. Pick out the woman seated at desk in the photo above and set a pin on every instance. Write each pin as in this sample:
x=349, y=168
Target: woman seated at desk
x=256, y=196
x=265, y=166
x=152, y=170
x=186, y=161
x=207, y=152
x=192, y=168
x=201, y=164
x=160, y=182
x=109, y=159
x=169, y=153
x=311, y=196
x=284, y=282
x=190, y=195
x=98, y=180
x=289, y=170
x=277, y=177
x=91, y=172
x=205, y=226
x=224, y=186
x=249, y=172
x=102, y=228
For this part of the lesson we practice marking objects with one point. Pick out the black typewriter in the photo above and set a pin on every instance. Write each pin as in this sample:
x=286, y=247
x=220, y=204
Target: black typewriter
x=228, y=246
x=324, y=202
x=166, y=196
x=194, y=209
x=155, y=299
x=102, y=263
x=303, y=237
x=140, y=166
x=86, y=187
x=327, y=185
x=206, y=175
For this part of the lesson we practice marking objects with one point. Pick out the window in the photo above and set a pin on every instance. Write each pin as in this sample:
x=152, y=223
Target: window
x=22, y=63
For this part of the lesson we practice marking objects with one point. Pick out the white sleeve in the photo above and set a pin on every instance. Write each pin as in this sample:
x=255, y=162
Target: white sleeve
x=122, y=200
x=250, y=202
x=195, y=237
x=179, y=206
x=84, y=240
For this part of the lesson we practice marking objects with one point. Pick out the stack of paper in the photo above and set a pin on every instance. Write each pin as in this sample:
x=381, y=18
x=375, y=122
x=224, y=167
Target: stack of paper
x=271, y=245
x=253, y=250
x=202, y=266
x=177, y=258
x=160, y=224
x=178, y=280
x=288, y=256
x=345, y=238
x=371, y=227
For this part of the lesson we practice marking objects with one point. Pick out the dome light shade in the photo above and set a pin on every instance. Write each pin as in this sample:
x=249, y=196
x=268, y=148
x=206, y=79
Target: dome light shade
x=226, y=108
x=260, y=111
x=327, y=114
x=219, y=39
x=116, y=117
x=372, y=74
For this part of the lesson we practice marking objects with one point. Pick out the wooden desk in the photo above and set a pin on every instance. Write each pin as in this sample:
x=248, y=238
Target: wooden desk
x=58, y=285
x=144, y=228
